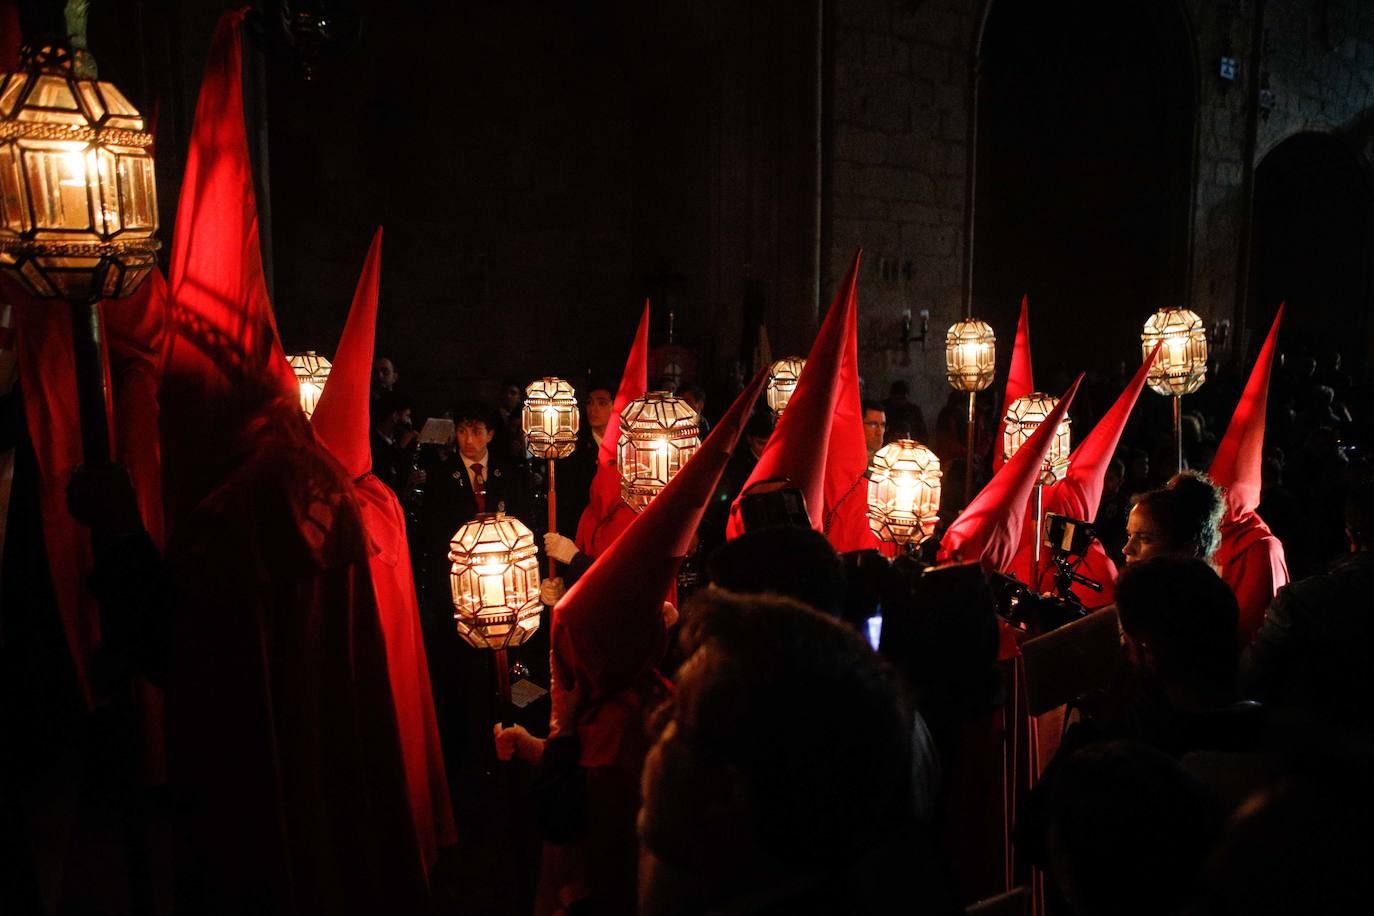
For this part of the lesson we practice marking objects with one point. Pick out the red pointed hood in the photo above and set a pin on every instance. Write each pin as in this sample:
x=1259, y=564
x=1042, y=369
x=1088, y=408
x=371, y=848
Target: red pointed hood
x=342, y=417
x=1080, y=492
x=604, y=496
x=1020, y=378
x=611, y=618
x=224, y=362
x=799, y=445
x=989, y=529
x=1240, y=456
x=846, y=458
x=633, y=383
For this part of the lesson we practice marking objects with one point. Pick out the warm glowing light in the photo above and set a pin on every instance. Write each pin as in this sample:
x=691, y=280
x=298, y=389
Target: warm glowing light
x=78, y=200
x=1181, y=366
x=312, y=371
x=658, y=434
x=494, y=579
x=782, y=381
x=1024, y=415
x=550, y=418
x=970, y=355
x=904, y=492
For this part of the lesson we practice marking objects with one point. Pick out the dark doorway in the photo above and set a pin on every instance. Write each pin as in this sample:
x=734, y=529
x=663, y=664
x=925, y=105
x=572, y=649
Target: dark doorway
x=1313, y=232
x=1084, y=176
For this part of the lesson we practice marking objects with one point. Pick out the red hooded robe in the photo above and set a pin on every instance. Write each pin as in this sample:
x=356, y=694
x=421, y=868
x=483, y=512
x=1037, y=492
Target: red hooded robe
x=1250, y=557
x=341, y=424
x=287, y=773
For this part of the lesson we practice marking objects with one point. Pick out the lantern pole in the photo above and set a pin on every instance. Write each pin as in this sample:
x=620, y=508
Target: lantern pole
x=1178, y=433
x=92, y=389
x=968, y=450
x=1038, y=505
x=553, y=513
x=503, y=711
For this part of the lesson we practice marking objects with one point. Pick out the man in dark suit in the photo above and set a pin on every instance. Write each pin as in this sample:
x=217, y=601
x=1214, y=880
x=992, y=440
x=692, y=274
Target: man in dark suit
x=469, y=482
x=457, y=489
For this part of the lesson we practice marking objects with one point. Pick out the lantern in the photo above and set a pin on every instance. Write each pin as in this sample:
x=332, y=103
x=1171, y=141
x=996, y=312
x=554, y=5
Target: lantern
x=494, y=577
x=658, y=434
x=550, y=418
x=970, y=355
x=1023, y=416
x=78, y=201
x=1181, y=366
x=904, y=492
x=782, y=381
x=312, y=371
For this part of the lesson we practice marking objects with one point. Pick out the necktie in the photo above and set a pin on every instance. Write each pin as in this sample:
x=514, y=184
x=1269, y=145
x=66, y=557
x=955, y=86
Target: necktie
x=479, y=487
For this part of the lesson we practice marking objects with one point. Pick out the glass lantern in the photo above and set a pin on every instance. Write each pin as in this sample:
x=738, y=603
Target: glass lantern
x=494, y=579
x=1024, y=416
x=312, y=371
x=550, y=418
x=970, y=355
x=659, y=433
x=1181, y=366
x=782, y=382
x=78, y=200
x=904, y=492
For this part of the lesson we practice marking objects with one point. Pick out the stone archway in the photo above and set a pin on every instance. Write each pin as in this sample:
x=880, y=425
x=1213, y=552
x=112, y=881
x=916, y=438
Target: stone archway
x=1314, y=228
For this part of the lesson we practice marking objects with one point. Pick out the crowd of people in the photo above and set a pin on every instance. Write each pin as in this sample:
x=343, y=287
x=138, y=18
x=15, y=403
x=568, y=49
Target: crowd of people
x=796, y=769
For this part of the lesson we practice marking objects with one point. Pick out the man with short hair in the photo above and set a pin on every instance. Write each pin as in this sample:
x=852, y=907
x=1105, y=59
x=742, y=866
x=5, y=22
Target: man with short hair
x=384, y=376
x=780, y=779
x=875, y=427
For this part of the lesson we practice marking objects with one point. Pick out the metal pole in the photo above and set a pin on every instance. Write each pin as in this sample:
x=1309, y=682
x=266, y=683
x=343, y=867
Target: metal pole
x=503, y=687
x=1178, y=433
x=553, y=516
x=1039, y=513
x=968, y=450
x=92, y=391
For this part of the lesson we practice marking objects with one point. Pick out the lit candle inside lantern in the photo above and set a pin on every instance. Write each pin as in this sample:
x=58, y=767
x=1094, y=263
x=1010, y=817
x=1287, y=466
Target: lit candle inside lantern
x=1024, y=416
x=782, y=382
x=494, y=579
x=658, y=435
x=904, y=492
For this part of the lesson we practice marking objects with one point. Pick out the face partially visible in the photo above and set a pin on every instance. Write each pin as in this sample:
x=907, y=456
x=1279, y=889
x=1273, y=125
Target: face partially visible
x=384, y=374
x=599, y=404
x=473, y=438
x=875, y=428
x=1144, y=537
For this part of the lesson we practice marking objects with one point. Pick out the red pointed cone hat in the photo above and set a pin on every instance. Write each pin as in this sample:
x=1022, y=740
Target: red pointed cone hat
x=611, y=619
x=1240, y=455
x=341, y=424
x=799, y=445
x=604, y=497
x=989, y=529
x=1080, y=492
x=1020, y=378
x=224, y=362
x=846, y=458
x=341, y=419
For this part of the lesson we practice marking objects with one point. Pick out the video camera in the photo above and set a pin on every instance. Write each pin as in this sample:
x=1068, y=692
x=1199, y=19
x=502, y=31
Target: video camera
x=1067, y=540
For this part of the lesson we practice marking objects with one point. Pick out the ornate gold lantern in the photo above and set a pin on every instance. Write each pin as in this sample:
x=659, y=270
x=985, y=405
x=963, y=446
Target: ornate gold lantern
x=904, y=492
x=312, y=371
x=550, y=418
x=1181, y=366
x=658, y=434
x=782, y=381
x=494, y=577
x=970, y=355
x=1024, y=415
x=78, y=200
